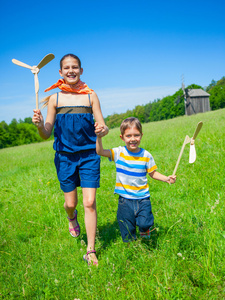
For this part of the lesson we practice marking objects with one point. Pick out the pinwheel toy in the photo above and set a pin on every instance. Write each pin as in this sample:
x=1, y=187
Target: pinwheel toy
x=192, y=153
x=35, y=70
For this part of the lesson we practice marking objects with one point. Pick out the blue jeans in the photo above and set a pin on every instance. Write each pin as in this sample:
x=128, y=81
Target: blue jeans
x=132, y=213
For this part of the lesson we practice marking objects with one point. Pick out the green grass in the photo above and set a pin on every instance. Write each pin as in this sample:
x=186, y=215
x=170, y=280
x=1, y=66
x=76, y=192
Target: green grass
x=184, y=258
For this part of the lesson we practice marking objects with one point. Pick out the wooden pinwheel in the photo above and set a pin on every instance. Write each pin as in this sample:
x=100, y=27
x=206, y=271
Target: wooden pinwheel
x=35, y=70
x=192, y=153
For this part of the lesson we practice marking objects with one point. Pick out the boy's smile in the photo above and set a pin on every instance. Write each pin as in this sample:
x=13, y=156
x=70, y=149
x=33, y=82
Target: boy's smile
x=71, y=70
x=132, y=138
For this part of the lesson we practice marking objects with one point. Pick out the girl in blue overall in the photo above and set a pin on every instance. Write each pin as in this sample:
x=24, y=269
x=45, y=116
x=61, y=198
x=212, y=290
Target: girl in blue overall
x=77, y=164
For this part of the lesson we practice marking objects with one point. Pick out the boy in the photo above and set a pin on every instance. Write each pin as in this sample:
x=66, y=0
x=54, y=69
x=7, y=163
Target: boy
x=132, y=165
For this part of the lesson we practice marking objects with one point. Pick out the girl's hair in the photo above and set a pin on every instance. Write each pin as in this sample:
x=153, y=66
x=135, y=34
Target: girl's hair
x=69, y=55
x=129, y=123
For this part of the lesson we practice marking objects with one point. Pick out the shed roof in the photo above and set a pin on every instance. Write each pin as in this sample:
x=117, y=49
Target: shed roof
x=197, y=93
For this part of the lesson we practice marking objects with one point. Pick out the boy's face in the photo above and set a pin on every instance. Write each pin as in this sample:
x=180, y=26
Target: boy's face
x=132, y=138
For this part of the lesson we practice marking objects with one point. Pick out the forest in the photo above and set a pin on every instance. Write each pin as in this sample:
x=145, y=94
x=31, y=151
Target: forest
x=24, y=132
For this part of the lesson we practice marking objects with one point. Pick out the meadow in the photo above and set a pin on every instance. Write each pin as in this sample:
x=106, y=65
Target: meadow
x=184, y=259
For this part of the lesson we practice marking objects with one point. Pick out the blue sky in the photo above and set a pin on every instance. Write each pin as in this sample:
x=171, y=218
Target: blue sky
x=132, y=52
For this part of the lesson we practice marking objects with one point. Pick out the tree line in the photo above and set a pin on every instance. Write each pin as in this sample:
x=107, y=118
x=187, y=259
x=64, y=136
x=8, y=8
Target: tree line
x=25, y=132
x=18, y=133
x=171, y=106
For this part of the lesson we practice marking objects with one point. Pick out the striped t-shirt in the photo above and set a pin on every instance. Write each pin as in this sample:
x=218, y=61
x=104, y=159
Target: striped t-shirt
x=131, y=171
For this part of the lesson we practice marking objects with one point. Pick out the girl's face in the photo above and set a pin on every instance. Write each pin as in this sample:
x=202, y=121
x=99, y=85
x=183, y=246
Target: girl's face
x=132, y=138
x=71, y=70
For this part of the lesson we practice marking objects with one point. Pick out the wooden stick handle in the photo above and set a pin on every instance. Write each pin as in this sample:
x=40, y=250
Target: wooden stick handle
x=186, y=141
x=37, y=104
x=36, y=84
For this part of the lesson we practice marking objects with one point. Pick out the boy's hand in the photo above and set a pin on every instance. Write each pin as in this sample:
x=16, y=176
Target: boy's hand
x=172, y=179
x=100, y=130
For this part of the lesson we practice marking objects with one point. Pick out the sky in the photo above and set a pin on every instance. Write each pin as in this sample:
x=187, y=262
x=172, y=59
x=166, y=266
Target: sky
x=132, y=52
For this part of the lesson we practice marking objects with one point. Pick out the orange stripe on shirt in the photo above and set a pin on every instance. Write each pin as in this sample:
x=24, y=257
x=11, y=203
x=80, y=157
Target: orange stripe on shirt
x=126, y=186
x=112, y=152
x=135, y=158
x=152, y=169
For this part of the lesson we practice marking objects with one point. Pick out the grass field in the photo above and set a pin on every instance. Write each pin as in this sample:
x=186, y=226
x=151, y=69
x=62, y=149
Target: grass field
x=185, y=258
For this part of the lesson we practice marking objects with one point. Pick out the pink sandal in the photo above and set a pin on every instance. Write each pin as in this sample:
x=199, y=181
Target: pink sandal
x=77, y=228
x=88, y=261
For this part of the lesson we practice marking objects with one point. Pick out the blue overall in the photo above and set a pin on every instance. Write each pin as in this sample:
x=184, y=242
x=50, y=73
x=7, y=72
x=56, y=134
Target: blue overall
x=76, y=161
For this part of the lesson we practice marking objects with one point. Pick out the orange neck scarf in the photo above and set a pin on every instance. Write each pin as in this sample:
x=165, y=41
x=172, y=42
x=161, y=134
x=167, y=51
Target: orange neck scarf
x=79, y=88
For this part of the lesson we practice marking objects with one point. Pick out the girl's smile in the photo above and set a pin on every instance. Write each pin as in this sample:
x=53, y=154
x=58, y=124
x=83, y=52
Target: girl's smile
x=71, y=70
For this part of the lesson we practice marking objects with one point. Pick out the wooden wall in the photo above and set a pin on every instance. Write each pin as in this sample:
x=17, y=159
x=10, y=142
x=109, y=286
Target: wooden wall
x=197, y=105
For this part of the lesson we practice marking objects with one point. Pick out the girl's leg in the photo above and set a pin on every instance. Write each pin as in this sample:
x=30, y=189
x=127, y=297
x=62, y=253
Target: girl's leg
x=89, y=201
x=70, y=205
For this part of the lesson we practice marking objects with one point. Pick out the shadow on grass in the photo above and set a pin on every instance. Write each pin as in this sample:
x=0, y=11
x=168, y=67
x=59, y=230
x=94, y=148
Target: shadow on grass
x=106, y=234
x=109, y=233
x=158, y=232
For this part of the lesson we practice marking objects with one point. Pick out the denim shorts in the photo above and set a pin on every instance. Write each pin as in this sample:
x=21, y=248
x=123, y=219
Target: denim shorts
x=132, y=213
x=78, y=169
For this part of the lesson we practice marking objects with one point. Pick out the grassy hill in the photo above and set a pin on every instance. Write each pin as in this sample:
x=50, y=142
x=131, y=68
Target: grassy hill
x=184, y=258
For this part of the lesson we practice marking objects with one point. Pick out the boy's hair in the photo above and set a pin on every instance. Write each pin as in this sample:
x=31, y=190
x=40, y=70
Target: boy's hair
x=129, y=123
x=70, y=55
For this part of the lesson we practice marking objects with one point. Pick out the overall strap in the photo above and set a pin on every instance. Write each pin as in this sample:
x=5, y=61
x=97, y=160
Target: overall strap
x=57, y=99
x=89, y=99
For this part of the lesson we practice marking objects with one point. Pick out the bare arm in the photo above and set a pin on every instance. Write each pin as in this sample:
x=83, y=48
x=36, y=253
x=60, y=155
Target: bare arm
x=45, y=130
x=100, y=150
x=158, y=176
x=101, y=129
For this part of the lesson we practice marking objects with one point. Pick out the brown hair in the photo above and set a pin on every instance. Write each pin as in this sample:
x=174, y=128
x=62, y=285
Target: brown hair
x=70, y=55
x=129, y=123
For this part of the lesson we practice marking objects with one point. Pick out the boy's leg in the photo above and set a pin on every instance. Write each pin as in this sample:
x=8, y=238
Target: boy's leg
x=145, y=218
x=70, y=205
x=89, y=201
x=126, y=219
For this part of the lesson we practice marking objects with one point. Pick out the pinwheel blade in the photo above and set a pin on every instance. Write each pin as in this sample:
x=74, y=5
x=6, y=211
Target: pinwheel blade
x=192, y=154
x=21, y=64
x=45, y=60
x=198, y=128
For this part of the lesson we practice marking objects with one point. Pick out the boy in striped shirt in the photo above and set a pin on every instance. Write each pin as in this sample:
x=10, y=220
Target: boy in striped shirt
x=132, y=166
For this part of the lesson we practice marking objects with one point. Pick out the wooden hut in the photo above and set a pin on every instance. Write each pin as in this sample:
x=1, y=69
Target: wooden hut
x=197, y=101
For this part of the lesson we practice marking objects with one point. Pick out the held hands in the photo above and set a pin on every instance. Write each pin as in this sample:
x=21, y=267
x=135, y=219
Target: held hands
x=38, y=118
x=100, y=130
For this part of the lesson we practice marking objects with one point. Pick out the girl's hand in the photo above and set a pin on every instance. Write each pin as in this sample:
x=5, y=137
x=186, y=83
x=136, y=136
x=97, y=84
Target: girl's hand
x=100, y=130
x=38, y=118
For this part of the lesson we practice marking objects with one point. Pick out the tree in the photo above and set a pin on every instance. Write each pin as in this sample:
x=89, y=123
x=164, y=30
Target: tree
x=28, y=120
x=221, y=81
x=139, y=112
x=217, y=97
x=211, y=85
x=4, y=135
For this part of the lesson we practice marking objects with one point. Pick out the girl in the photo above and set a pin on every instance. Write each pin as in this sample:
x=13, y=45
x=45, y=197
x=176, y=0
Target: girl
x=77, y=164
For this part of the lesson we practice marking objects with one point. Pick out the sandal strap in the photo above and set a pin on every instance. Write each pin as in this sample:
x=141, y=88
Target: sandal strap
x=77, y=228
x=90, y=251
x=75, y=216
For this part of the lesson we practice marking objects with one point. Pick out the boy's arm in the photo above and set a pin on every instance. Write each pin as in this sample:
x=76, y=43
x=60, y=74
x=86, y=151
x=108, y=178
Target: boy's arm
x=100, y=150
x=158, y=176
